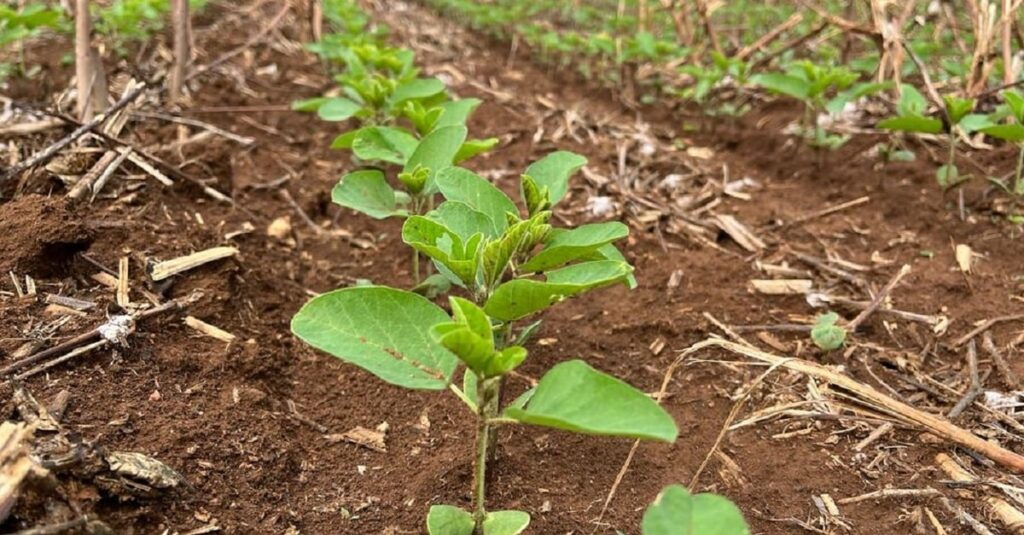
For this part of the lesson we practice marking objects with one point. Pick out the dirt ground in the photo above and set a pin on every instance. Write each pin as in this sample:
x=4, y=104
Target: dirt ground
x=249, y=424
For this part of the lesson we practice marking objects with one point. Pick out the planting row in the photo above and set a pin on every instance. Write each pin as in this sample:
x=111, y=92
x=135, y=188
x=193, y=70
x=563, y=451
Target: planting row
x=829, y=63
x=502, y=264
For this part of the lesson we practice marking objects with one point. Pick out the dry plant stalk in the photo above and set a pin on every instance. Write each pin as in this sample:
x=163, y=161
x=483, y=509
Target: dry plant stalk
x=1009, y=515
x=90, y=80
x=891, y=61
x=15, y=464
x=209, y=330
x=169, y=268
x=936, y=425
x=182, y=50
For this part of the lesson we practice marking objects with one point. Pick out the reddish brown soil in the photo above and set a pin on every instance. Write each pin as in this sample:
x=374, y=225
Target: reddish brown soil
x=220, y=414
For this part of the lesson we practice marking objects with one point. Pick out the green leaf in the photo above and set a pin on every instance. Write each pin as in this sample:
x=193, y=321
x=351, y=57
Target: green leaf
x=575, y=397
x=344, y=141
x=338, y=109
x=677, y=512
x=384, y=143
x=1015, y=101
x=912, y=123
x=506, y=522
x=382, y=330
x=309, y=104
x=948, y=175
x=474, y=147
x=367, y=192
x=458, y=184
x=837, y=104
x=1006, y=132
x=553, y=172
x=437, y=241
x=573, y=244
x=456, y=112
x=436, y=151
x=974, y=122
x=466, y=313
x=518, y=239
x=611, y=252
x=957, y=108
x=535, y=197
x=448, y=520
x=912, y=102
x=418, y=88
x=463, y=220
x=519, y=298
x=826, y=334
x=783, y=84
x=433, y=286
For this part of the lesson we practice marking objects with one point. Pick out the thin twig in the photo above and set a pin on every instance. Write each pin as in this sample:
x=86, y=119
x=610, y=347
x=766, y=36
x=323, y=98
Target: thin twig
x=975, y=388
x=885, y=291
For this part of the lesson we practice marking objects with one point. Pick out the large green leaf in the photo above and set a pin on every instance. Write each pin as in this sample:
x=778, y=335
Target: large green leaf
x=519, y=298
x=611, y=252
x=384, y=143
x=418, y=88
x=456, y=112
x=783, y=84
x=677, y=512
x=1006, y=132
x=553, y=171
x=448, y=520
x=367, y=192
x=506, y=522
x=458, y=184
x=436, y=151
x=337, y=109
x=573, y=244
x=575, y=397
x=912, y=123
x=382, y=330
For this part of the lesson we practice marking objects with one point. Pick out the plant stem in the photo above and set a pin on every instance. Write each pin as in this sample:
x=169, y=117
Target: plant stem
x=1018, y=184
x=416, y=266
x=486, y=394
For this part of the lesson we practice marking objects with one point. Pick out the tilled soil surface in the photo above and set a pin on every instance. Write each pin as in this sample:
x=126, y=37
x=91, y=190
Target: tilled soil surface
x=249, y=424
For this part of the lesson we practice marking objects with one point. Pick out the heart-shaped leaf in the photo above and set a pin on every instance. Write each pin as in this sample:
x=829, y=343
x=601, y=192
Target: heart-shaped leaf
x=553, y=171
x=912, y=123
x=418, y=88
x=367, y=192
x=456, y=112
x=677, y=512
x=448, y=520
x=436, y=151
x=575, y=397
x=382, y=330
x=826, y=334
x=458, y=184
x=783, y=84
x=338, y=109
x=506, y=522
x=519, y=298
x=569, y=245
x=383, y=143
x=463, y=220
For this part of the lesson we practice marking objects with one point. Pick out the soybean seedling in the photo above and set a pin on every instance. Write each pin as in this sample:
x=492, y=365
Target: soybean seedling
x=512, y=266
x=722, y=71
x=16, y=25
x=677, y=512
x=822, y=90
x=1012, y=132
x=910, y=117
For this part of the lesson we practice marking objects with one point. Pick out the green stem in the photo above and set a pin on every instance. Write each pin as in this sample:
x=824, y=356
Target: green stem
x=416, y=266
x=952, y=148
x=1018, y=184
x=485, y=394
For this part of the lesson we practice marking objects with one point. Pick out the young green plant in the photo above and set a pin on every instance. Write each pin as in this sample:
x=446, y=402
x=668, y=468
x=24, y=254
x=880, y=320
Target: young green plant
x=512, y=266
x=1012, y=132
x=677, y=512
x=910, y=117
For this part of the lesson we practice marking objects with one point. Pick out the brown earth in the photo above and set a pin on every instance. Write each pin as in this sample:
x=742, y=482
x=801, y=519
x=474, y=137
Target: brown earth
x=220, y=414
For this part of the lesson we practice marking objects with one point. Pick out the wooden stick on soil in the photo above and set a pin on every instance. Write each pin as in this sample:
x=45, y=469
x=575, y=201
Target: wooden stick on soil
x=985, y=325
x=974, y=389
x=935, y=424
x=1009, y=377
x=1000, y=508
x=885, y=291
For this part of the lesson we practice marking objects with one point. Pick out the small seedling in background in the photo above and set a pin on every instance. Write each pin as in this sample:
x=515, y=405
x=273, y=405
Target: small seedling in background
x=911, y=118
x=822, y=90
x=1012, y=132
x=827, y=334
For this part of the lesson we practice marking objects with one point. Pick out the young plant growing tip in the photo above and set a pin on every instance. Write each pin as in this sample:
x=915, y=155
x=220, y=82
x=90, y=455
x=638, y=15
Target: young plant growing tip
x=677, y=512
x=512, y=266
x=910, y=117
x=1013, y=132
x=827, y=334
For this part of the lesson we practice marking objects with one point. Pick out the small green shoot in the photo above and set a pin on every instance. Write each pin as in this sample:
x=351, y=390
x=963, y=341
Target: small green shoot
x=827, y=334
x=677, y=512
